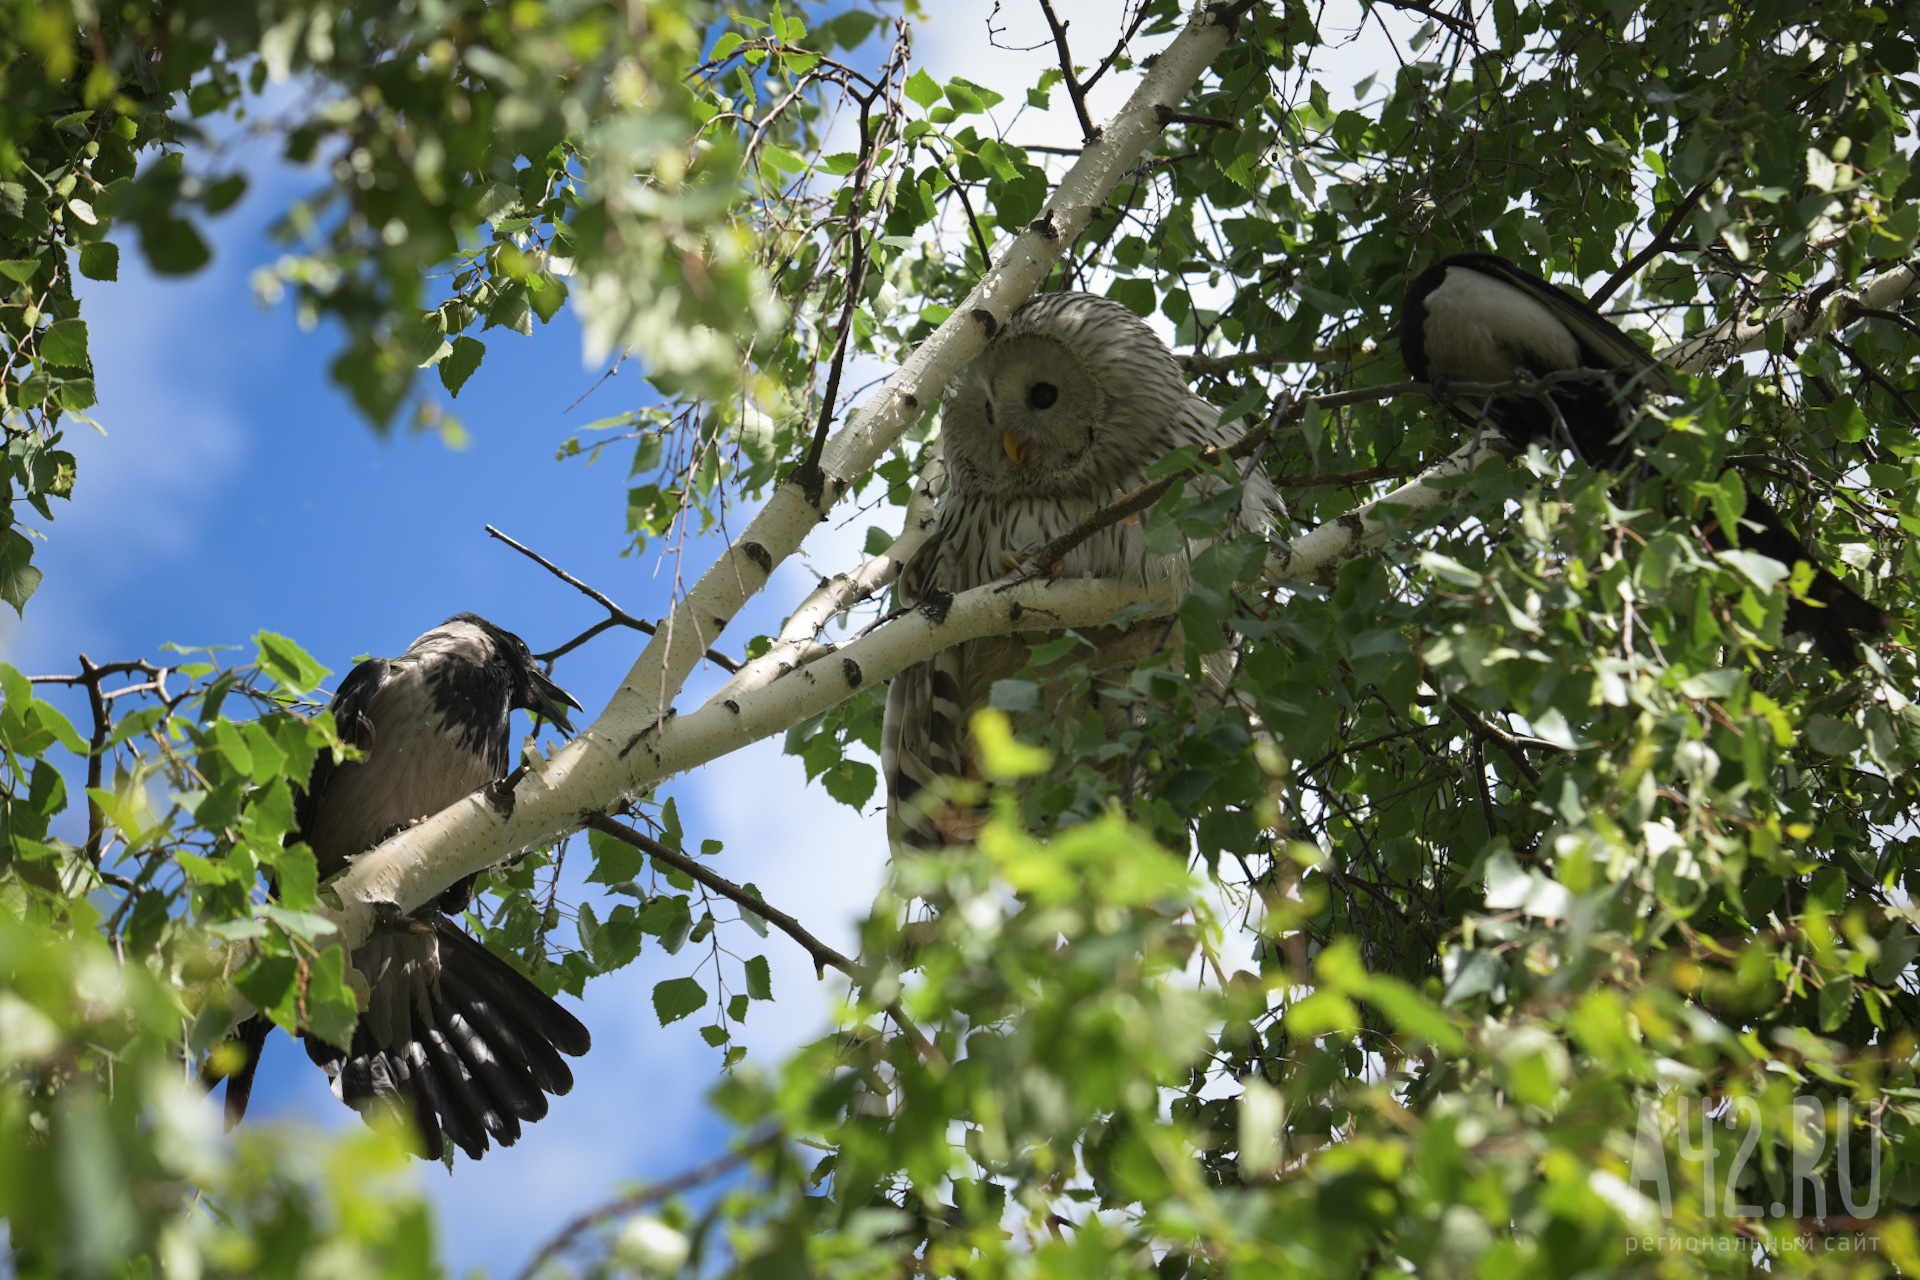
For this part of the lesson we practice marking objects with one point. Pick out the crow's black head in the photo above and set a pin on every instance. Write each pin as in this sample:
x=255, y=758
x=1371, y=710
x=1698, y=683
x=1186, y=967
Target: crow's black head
x=533, y=689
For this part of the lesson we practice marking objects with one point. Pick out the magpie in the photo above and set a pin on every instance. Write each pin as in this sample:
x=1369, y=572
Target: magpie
x=452, y=1033
x=1476, y=317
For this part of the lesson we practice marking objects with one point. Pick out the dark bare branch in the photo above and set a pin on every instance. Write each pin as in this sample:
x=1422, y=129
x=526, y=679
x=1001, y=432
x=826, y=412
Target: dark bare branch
x=1486, y=731
x=1075, y=89
x=704, y=1172
x=823, y=955
x=1662, y=241
x=616, y=616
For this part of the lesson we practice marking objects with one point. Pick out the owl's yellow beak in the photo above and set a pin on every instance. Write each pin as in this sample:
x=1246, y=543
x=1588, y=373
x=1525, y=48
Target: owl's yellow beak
x=1016, y=449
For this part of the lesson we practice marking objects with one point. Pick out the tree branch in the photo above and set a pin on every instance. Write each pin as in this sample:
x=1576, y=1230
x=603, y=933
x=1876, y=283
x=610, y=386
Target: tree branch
x=858, y=245
x=1801, y=317
x=706, y=1171
x=1216, y=365
x=1074, y=90
x=823, y=955
x=798, y=642
x=1486, y=731
x=616, y=616
x=1662, y=240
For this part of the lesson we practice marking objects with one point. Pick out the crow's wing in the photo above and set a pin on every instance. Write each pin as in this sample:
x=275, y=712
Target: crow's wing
x=350, y=706
x=1606, y=347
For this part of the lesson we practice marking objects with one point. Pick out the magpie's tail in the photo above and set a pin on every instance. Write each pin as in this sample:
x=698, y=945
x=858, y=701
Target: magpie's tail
x=455, y=1036
x=249, y=1039
x=1833, y=613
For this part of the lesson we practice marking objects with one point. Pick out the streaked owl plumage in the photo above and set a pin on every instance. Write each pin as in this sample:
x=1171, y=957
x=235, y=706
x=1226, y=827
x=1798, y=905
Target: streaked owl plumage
x=1064, y=411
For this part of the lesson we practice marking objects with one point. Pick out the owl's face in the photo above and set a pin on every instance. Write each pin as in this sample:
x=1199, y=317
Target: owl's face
x=1074, y=397
x=1025, y=417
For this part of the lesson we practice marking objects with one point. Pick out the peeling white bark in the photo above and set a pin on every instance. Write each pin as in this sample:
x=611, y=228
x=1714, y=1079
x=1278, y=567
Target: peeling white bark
x=1736, y=336
x=1317, y=554
x=798, y=642
x=626, y=747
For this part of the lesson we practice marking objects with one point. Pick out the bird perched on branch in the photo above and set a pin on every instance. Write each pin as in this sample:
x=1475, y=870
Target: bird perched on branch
x=452, y=1033
x=1071, y=402
x=1475, y=317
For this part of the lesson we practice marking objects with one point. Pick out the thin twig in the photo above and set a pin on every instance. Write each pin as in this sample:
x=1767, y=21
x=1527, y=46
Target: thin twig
x=1507, y=742
x=1341, y=478
x=1874, y=376
x=1074, y=88
x=858, y=253
x=1853, y=310
x=706, y=1171
x=1119, y=47
x=1662, y=240
x=1286, y=410
x=823, y=955
x=96, y=755
x=616, y=616
x=1452, y=21
x=1200, y=362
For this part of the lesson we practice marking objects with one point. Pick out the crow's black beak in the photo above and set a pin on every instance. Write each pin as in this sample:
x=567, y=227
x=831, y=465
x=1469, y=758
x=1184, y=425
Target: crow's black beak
x=544, y=699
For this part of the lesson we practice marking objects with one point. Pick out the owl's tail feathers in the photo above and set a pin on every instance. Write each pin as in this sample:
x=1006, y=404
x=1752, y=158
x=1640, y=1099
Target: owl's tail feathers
x=1838, y=613
x=475, y=1058
x=236, y=1060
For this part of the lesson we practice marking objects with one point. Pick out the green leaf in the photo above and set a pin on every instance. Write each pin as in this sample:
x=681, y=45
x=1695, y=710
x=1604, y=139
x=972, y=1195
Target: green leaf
x=268, y=983
x=759, y=979
x=923, y=89
x=1833, y=737
x=676, y=998
x=510, y=309
x=851, y=782
x=460, y=363
x=332, y=1010
x=781, y=160
x=19, y=270
x=173, y=247
x=296, y=877
x=65, y=344
x=18, y=578
x=546, y=294
x=288, y=664
x=1002, y=756
x=614, y=860
x=1014, y=695
x=1321, y=1013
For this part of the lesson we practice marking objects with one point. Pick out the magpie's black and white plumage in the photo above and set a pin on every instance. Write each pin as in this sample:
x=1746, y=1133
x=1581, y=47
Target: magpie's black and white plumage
x=1475, y=317
x=452, y=1033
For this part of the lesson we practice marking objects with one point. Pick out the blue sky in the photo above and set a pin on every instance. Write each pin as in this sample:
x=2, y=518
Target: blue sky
x=238, y=490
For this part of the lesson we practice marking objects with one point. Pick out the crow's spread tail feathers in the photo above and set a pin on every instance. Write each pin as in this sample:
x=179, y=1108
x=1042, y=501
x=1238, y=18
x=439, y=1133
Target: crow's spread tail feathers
x=470, y=1051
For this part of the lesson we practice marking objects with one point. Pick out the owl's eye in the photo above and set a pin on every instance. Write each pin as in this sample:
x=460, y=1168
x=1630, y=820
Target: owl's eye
x=1043, y=395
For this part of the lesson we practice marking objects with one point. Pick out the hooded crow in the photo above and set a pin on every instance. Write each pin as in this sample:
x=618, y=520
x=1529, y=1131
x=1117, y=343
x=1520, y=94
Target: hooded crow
x=1475, y=317
x=452, y=1033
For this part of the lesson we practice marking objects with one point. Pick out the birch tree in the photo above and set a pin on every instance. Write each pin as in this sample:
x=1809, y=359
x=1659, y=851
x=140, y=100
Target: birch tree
x=1527, y=904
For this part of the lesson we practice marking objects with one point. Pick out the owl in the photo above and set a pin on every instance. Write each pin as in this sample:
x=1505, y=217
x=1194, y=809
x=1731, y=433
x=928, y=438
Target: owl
x=1064, y=411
